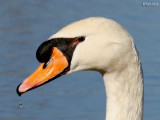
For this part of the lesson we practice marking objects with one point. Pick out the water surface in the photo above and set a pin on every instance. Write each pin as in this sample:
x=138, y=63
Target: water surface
x=81, y=96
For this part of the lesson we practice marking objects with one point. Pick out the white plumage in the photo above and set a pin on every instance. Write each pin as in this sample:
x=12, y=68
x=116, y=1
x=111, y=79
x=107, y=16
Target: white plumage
x=109, y=49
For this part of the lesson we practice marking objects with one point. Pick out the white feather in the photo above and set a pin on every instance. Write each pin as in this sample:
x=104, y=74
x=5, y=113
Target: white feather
x=109, y=49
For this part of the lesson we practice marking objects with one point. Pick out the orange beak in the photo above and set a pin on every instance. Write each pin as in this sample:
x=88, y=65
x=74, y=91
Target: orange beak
x=56, y=66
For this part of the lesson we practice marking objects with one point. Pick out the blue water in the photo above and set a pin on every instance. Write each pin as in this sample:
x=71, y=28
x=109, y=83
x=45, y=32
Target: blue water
x=25, y=24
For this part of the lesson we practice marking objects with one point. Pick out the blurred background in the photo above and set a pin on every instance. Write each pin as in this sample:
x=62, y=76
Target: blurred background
x=25, y=24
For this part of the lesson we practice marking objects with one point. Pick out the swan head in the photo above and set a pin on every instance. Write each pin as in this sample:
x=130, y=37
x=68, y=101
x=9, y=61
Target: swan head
x=95, y=43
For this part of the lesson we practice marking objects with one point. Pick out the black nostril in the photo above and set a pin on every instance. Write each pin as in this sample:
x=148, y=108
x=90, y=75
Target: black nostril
x=81, y=39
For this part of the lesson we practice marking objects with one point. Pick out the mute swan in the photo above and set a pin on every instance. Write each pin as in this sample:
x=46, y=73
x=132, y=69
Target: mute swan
x=98, y=44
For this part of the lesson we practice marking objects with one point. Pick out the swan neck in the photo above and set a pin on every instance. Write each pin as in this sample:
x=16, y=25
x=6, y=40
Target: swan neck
x=124, y=92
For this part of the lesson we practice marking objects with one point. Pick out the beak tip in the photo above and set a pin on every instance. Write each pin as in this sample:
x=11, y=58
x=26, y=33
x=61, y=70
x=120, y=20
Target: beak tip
x=17, y=90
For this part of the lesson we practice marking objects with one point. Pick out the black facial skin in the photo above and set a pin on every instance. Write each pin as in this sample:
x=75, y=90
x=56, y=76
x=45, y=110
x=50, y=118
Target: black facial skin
x=65, y=45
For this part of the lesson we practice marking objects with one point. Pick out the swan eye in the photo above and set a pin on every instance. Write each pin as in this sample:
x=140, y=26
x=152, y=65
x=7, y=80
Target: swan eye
x=81, y=39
